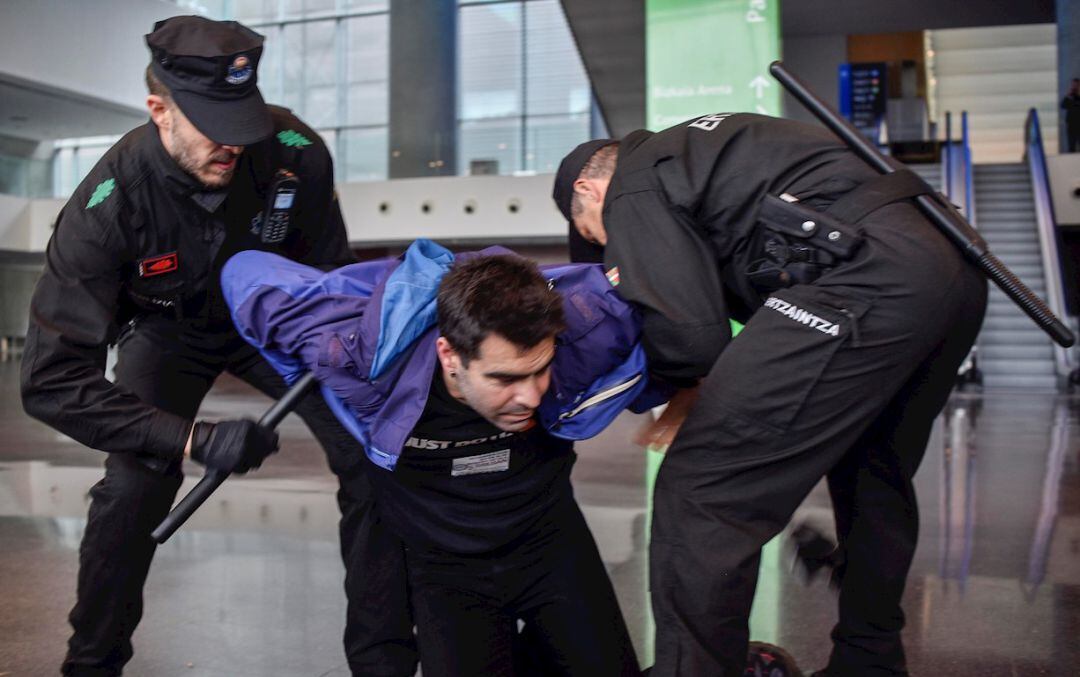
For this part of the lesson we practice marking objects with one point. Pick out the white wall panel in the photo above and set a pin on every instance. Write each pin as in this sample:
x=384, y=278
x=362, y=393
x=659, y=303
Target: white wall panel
x=502, y=207
x=91, y=48
x=1064, y=180
x=15, y=223
x=997, y=74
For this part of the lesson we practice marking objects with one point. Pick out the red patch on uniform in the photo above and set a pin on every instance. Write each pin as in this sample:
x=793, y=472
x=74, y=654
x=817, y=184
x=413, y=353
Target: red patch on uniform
x=158, y=265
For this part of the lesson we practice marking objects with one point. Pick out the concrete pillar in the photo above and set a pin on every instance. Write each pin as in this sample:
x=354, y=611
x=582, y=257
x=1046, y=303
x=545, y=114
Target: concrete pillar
x=423, y=101
x=1068, y=52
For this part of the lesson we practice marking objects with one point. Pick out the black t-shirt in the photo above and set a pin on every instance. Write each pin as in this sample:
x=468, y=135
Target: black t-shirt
x=463, y=486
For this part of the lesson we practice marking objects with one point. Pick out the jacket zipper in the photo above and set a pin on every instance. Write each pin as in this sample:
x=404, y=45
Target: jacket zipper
x=600, y=397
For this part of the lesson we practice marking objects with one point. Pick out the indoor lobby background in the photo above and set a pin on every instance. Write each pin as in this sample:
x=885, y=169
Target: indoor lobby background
x=446, y=120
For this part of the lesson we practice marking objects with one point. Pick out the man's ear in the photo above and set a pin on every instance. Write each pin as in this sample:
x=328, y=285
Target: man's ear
x=448, y=357
x=159, y=111
x=586, y=189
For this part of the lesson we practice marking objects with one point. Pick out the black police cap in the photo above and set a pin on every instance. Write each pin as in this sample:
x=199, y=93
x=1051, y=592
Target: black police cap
x=211, y=69
x=569, y=171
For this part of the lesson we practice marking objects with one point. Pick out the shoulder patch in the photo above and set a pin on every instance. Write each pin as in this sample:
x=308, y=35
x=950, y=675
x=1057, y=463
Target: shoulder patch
x=293, y=139
x=103, y=190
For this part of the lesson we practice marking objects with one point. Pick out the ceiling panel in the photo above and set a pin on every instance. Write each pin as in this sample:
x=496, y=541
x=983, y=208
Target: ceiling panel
x=611, y=35
x=34, y=112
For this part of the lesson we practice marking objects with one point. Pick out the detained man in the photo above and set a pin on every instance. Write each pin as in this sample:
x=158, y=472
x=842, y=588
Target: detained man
x=467, y=379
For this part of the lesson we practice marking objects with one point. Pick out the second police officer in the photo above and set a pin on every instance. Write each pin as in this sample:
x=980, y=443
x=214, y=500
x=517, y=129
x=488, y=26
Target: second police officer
x=858, y=313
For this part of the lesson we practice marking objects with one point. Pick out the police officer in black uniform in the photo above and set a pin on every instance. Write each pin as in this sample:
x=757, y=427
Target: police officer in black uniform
x=135, y=260
x=858, y=313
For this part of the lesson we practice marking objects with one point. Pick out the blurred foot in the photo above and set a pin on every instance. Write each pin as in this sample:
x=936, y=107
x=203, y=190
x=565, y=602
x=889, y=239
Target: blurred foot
x=816, y=555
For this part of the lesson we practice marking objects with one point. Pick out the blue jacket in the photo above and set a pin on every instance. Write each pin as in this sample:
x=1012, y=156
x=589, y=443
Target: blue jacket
x=367, y=331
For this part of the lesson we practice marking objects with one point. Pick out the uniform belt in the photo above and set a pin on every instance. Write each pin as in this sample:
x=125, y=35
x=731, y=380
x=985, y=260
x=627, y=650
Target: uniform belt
x=878, y=192
x=798, y=244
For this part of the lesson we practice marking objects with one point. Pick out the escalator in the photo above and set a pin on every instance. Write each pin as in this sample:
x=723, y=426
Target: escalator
x=1013, y=352
x=1009, y=205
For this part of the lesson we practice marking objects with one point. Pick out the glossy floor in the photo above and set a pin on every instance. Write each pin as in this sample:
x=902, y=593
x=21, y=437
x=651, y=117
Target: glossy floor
x=252, y=585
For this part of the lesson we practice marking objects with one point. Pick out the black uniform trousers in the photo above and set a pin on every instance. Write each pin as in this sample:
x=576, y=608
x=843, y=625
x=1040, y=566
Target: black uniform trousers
x=791, y=400
x=172, y=366
x=467, y=608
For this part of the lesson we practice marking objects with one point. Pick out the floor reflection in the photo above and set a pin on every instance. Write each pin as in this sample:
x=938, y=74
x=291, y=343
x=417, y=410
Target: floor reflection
x=251, y=585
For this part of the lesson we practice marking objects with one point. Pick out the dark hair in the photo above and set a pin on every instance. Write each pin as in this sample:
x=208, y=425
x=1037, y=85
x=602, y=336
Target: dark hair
x=504, y=295
x=156, y=86
x=601, y=164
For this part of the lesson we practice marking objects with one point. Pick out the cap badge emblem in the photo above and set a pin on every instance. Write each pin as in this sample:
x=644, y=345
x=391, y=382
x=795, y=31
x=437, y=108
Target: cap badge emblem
x=240, y=71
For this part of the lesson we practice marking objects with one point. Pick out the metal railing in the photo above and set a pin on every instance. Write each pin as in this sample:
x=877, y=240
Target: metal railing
x=1035, y=157
x=957, y=182
x=969, y=173
x=946, y=158
x=956, y=169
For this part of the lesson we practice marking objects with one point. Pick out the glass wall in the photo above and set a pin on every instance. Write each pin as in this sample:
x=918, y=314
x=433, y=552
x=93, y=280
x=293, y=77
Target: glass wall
x=24, y=177
x=74, y=158
x=523, y=96
x=328, y=60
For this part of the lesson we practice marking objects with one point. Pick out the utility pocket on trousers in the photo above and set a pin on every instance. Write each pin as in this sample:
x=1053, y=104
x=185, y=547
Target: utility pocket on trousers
x=769, y=370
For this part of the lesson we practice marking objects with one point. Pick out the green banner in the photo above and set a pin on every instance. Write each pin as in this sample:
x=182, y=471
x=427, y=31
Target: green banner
x=709, y=56
x=702, y=57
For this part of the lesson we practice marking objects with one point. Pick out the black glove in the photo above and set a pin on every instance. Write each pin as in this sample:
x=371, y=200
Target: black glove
x=232, y=446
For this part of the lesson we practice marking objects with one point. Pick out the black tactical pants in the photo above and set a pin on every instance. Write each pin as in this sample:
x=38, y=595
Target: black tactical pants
x=172, y=367
x=839, y=379
x=467, y=608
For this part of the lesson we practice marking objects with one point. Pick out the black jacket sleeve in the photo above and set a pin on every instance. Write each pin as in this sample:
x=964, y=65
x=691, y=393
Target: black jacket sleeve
x=331, y=248
x=665, y=267
x=321, y=214
x=72, y=321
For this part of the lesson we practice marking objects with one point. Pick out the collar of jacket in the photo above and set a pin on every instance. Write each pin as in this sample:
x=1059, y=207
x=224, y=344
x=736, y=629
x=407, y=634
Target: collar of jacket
x=631, y=141
x=599, y=367
x=178, y=180
x=406, y=300
x=627, y=145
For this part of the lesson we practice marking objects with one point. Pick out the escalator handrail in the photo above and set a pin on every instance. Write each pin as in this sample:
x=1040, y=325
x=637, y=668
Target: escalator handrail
x=946, y=158
x=956, y=170
x=969, y=172
x=1035, y=157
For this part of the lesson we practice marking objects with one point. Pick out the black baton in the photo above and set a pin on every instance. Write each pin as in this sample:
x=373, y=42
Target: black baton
x=944, y=215
x=213, y=479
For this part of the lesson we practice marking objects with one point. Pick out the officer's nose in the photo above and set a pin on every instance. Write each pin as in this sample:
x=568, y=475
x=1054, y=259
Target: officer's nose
x=235, y=150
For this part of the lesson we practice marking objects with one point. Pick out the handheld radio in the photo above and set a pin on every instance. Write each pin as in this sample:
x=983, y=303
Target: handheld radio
x=279, y=206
